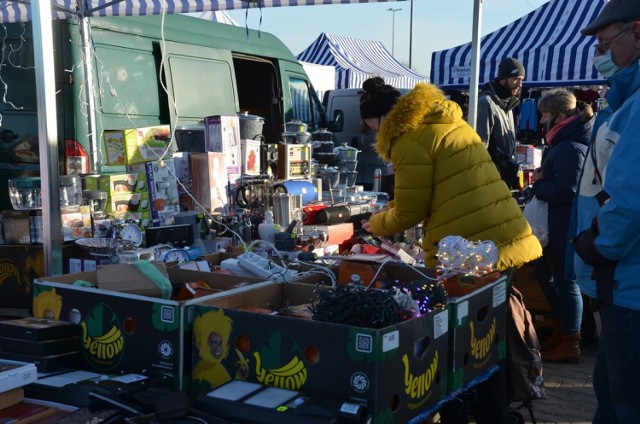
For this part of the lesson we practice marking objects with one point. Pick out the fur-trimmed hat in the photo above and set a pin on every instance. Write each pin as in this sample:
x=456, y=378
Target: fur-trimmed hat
x=378, y=98
x=510, y=68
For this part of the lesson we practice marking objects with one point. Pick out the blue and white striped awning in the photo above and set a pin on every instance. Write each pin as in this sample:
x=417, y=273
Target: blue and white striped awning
x=356, y=60
x=20, y=10
x=547, y=41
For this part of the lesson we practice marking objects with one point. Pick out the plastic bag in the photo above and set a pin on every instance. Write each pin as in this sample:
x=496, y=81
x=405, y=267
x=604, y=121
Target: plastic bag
x=536, y=212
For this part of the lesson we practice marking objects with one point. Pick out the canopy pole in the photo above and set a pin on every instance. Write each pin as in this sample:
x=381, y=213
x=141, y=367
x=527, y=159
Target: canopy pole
x=47, y=136
x=475, y=63
x=89, y=90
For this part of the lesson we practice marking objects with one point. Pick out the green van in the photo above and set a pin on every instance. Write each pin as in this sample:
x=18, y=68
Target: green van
x=148, y=71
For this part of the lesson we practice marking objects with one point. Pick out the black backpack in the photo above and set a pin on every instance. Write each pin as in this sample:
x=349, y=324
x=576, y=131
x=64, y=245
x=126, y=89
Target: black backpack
x=523, y=362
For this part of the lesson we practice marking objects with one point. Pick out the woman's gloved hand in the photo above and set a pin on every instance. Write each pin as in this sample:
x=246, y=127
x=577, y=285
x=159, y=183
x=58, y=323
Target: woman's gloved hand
x=365, y=222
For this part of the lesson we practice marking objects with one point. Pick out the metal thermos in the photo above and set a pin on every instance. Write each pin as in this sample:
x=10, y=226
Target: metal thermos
x=286, y=208
x=377, y=180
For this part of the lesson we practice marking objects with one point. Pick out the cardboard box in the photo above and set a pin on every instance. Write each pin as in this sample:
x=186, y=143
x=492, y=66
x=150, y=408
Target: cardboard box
x=250, y=156
x=210, y=181
x=163, y=190
x=88, y=263
x=399, y=370
x=76, y=224
x=15, y=374
x=132, y=202
x=125, y=147
x=127, y=278
x=530, y=157
x=222, y=135
x=367, y=267
x=90, y=182
x=19, y=265
x=17, y=226
x=182, y=166
x=125, y=332
x=100, y=224
x=532, y=294
x=547, y=326
x=183, y=173
x=119, y=184
x=477, y=336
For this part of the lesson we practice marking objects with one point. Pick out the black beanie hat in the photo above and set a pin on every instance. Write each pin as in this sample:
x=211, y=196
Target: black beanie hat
x=510, y=68
x=378, y=98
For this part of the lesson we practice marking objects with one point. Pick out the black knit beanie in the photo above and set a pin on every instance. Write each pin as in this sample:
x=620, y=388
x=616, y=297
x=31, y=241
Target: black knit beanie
x=378, y=98
x=510, y=68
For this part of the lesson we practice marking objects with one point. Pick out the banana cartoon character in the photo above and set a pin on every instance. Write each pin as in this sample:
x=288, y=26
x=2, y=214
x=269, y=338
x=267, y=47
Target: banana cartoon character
x=33, y=267
x=47, y=304
x=212, y=331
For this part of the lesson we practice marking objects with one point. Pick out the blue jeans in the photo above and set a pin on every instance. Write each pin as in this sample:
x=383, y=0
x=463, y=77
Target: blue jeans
x=616, y=374
x=563, y=295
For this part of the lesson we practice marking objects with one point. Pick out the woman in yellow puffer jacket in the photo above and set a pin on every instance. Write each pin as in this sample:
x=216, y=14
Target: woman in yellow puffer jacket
x=444, y=176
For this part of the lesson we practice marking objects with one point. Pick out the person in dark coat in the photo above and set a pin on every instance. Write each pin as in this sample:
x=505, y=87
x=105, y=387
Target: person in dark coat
x=568, y=123
x=495, y=124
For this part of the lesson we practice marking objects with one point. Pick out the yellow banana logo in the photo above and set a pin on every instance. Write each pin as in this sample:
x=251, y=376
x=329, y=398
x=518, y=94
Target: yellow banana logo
x=480, y=348
x=110, y=337
x=290, y=376
x=293, y=367
x=8, y=269
x=417, y=386
x=104, y=347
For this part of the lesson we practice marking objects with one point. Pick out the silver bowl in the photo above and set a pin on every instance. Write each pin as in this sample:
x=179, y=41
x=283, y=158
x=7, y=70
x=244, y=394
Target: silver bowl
x=98, y=245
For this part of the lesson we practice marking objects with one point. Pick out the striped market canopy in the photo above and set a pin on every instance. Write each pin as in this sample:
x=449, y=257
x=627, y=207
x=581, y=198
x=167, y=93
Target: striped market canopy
x=547, y=41
x=356, y=60
x=20, y=10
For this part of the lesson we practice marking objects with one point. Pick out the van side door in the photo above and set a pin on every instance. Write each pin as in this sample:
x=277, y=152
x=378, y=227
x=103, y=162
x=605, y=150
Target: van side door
x=200, y=82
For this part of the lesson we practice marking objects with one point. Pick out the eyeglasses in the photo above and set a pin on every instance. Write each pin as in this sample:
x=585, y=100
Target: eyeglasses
x=602, y=47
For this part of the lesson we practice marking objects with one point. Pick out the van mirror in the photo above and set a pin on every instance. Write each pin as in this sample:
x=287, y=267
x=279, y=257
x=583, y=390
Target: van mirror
x=337, y=125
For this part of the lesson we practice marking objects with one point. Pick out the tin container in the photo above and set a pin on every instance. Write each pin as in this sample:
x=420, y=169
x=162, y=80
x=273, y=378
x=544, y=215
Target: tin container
x=250, y=126
x=70, y=190
x=25, y=193
x=346, y=153
x=295, y=126
x=322, y=135
x=286, y=208
x=330, y=177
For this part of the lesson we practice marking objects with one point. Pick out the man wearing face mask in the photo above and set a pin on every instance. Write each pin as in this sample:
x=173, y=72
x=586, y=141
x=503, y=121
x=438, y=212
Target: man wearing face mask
x=495, y=124
x=606, y=215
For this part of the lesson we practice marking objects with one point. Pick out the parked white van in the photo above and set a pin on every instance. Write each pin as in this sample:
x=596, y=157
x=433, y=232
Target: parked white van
x=343, y=107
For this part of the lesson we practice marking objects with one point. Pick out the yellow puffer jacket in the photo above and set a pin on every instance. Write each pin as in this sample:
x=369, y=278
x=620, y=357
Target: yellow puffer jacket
x=444, y=177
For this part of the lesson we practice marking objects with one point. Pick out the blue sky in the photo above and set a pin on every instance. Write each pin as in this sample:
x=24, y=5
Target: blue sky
x=437, y=24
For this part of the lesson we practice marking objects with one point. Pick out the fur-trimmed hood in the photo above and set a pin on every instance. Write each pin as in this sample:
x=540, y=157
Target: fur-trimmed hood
x=424, y=104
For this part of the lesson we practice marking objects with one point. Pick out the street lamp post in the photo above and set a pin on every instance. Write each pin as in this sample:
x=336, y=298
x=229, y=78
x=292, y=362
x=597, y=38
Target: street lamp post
x=410, y=33
x=393, y=28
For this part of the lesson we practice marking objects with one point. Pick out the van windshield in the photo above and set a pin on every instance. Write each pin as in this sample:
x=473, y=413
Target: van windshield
x=306, y=105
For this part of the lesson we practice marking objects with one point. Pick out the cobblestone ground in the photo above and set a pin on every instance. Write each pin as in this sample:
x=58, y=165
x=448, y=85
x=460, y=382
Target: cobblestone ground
x=569, y=389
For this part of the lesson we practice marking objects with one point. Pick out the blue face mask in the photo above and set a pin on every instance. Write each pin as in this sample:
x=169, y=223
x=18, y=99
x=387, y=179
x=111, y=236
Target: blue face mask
x=605, y=65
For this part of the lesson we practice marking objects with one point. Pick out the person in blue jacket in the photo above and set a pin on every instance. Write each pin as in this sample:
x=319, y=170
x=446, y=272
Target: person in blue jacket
x=568, y=123
x=606, y=219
